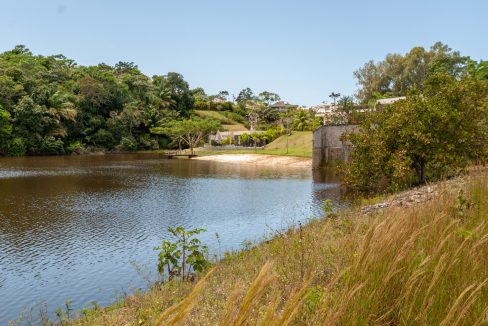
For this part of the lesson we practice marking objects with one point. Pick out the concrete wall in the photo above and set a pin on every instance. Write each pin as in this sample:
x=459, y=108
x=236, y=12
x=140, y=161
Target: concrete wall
x=327, y=144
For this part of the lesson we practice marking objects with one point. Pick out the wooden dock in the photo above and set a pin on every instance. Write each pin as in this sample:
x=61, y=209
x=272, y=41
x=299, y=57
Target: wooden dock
x=171, y=156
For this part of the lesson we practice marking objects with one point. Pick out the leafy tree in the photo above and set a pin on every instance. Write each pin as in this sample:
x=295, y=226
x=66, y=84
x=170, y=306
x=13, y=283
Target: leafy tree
x=397, y=74
x=5, y=123
x=245, y=95
x=269, y=97
x=434, y=133
x=478, y=69
x=302, y=120
x=199, y=94
x=5, y=127
x=244, y=139
x=223, y=95
x=178, y=90
x=189, y=131
x=256, y=111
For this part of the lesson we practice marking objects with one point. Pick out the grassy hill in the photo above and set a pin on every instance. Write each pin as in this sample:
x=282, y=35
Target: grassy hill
x=299, y=144
x=228, y=120
x=414, y=263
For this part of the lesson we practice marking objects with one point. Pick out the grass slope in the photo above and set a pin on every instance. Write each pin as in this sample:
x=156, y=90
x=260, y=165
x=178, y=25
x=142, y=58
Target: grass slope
x=420, y=265
x=227, y=122
x=216, y=115
x=299, y=144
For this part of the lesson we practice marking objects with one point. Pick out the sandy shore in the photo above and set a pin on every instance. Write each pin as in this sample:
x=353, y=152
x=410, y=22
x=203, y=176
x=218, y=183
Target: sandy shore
x=259, y=159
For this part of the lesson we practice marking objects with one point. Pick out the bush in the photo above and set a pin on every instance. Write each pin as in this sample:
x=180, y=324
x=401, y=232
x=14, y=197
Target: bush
x=184, y=256
x=103, y=138
x=128, y=143
x=16, y=147
x=76, y=147
x=52, y=146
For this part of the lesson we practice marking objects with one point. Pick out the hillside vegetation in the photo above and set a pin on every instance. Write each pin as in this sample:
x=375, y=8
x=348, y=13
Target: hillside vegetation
x=422, y=265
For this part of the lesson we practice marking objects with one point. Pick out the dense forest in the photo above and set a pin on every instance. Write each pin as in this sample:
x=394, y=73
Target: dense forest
x=51, y=105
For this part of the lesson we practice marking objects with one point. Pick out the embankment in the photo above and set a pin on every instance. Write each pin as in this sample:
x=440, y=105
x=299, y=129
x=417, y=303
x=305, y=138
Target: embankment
x=419, y=257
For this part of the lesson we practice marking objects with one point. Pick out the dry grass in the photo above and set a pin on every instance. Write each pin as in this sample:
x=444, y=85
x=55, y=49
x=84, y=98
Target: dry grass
x=424, y=265
x=234, y=127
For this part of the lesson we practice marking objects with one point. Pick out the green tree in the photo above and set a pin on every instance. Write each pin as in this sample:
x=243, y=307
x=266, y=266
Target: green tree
x=189, y=131
x=478, y=69
x=245, y=95
x=301, y=120
x=174, y=85
x=269, y=97
x=5, y=128
x=434, y=133
x=397, y=74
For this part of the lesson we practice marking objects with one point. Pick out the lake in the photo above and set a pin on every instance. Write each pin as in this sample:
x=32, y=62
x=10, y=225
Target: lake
x=83, y=228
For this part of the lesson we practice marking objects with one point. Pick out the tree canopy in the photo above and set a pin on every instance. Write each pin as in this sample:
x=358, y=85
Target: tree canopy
x=397, y=74
x=435, y=132
x=189, y=131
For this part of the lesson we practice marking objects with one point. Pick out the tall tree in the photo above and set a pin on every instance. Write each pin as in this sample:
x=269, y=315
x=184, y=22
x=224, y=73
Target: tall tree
x=397, y=74
x=434, y=133
x=174, y=85
x=269, y=97
x=245, y=95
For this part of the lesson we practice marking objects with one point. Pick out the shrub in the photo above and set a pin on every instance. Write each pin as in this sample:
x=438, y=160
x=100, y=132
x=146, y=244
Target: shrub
x=184, y=256
x=128, y=143
x=75, y=147
x=16, y=147
x=51, y=145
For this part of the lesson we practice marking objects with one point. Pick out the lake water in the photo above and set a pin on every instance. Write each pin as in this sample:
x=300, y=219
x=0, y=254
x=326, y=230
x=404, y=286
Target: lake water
x=84, y=228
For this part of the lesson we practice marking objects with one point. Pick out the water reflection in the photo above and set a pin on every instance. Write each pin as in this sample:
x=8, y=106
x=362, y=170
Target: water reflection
x=71, y=226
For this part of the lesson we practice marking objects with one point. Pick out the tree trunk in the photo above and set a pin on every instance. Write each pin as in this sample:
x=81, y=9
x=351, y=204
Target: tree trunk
x=420, y=171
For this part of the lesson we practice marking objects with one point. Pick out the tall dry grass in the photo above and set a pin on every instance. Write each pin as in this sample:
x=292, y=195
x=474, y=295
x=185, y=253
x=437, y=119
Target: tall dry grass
x=424, y=265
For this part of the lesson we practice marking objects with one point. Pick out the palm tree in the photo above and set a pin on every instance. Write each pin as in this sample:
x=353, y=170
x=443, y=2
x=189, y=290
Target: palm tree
x=334, y=96
x=301, y=120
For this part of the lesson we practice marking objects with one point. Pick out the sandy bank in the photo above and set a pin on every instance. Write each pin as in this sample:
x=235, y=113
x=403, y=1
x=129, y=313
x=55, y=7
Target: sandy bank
x=259, y=159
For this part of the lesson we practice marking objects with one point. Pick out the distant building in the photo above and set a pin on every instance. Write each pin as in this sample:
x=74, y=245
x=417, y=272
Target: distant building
x=218, y=100
x=225, y=135
x=387, y=101
x=328, y=111
x=282, y=106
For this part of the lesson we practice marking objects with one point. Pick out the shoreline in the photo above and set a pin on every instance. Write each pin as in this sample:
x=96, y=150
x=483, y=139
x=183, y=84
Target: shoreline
x=259, y=159
x=335, y=230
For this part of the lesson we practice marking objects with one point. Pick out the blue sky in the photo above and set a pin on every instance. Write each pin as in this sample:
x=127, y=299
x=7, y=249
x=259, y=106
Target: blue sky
x=303, y=50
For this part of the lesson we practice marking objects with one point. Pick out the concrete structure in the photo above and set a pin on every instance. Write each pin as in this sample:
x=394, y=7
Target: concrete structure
x=328, y=146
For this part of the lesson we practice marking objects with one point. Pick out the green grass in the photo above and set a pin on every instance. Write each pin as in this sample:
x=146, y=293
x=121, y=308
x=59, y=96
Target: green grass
x=216, y=115
x=299, y=144
x=234, y=127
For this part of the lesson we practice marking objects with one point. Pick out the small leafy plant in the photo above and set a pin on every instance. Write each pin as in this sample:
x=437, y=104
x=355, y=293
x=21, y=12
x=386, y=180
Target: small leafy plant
x=184, y=256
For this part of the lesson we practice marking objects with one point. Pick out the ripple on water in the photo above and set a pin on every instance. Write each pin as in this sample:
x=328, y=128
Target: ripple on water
x=73, y=228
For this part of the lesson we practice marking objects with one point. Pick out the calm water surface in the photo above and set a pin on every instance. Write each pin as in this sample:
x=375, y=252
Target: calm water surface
x=84, y=228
